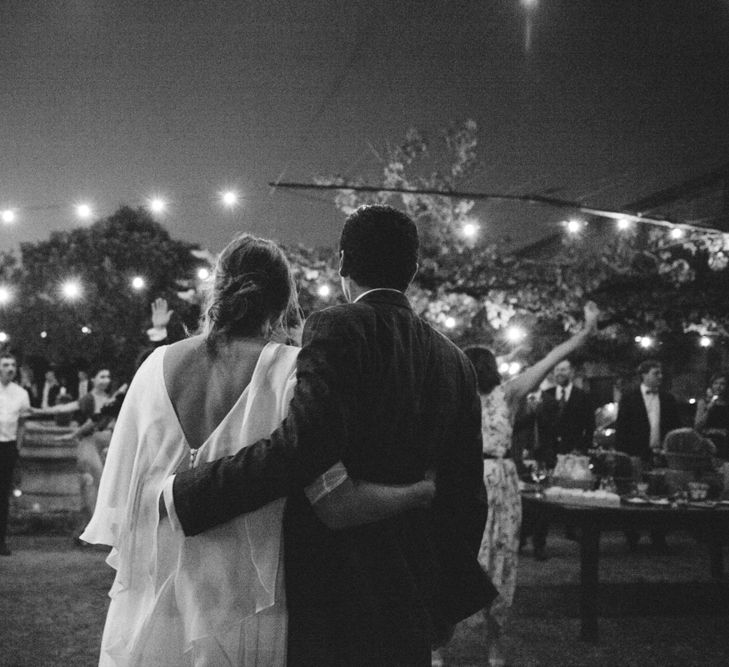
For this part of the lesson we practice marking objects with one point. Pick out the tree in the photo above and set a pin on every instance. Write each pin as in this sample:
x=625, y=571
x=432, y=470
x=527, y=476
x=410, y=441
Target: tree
x=106, y=323
x=647, y=282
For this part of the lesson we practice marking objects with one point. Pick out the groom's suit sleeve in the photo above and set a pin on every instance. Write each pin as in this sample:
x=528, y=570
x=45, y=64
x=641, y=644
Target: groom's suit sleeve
x=309, y=441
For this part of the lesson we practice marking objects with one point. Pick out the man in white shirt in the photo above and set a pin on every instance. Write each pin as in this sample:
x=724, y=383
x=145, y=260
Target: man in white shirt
x=566, y=423
x=565, y=416
x=14, y=405
x=645, y=414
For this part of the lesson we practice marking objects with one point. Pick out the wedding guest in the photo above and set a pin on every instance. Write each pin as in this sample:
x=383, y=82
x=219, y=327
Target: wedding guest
x=712, y=413
x=646, y=413
x=14, y=405
x=566, y=423
x=83, y=384
x=158, y=334
x=565, y=416
x=93, y=436
x=51, y=389
x=27, y=382
x=499, y=401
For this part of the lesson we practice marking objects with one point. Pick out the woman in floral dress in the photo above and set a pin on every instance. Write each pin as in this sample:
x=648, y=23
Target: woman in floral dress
x=499, y=401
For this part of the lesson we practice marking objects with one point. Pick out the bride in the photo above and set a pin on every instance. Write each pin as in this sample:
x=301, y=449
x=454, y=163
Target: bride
x=217, y=598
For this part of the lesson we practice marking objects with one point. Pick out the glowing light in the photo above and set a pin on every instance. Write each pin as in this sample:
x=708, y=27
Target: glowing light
x=515, y=334
x=470, y=230
x=71, y=290
x=229, y=198
x=638, y=339
x=324, y=291
x=5, y=295
x=692, y=401
x=646, y=342
x=203, y=273
x=504, y=367
x=157, y=205
x=8, y=216
x=85, y=330
x=705, y=341
x=514, y=367
x=529, y=4
x=624, y=224
x=574, y=226
x=44, y=334
x=450, y=323
x=608, y=432
x=138, y=283
x=4, y=337
x=17, y=493
x=677, y=233
x=84, y=211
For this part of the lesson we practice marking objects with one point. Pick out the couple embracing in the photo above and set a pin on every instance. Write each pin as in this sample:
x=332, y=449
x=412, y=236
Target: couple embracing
x=270, y=505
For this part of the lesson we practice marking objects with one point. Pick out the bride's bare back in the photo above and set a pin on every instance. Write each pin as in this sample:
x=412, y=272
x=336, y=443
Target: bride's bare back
x=202, y=387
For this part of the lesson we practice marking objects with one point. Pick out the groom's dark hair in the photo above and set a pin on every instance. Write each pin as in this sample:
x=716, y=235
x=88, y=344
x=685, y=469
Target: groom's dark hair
x=380, y=247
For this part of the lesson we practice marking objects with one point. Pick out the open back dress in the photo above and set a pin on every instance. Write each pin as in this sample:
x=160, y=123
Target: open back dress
x=213, y=599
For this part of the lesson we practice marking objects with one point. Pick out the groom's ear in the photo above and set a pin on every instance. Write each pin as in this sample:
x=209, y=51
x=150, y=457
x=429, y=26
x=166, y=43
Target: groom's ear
x=343, y=268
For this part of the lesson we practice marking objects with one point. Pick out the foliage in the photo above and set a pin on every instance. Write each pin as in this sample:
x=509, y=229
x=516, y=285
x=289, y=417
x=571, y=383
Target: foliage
x=646, y=282
x=313, y=269
x=103, y=258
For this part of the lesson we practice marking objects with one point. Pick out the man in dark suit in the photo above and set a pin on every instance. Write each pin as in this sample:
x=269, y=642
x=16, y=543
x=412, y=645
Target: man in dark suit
x=383, y=393
x=566, y=419
x=566, y=423
x=645, y=414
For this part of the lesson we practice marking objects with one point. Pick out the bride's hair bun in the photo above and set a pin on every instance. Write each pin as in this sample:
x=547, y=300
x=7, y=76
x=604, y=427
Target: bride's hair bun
x=252, y=294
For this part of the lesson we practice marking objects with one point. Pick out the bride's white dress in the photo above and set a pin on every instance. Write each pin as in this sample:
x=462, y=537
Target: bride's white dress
x=213, y=599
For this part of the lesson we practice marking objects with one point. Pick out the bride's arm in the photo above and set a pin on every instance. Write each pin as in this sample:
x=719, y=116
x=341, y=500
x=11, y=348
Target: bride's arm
x=356, y=502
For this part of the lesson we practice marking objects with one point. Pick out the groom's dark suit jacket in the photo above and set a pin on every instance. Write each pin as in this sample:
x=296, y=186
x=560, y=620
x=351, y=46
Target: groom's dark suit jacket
x=382, y=391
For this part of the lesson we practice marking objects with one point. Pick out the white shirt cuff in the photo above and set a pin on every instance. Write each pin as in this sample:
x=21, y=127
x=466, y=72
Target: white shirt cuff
x=326, y=483
x=169, y=501
x=155, y=334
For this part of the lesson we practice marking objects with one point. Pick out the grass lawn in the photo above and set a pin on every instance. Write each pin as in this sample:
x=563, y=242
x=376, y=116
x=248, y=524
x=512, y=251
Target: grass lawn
x=53, y=602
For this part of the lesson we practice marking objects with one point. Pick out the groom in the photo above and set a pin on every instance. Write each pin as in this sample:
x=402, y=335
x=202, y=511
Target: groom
x=381, y=392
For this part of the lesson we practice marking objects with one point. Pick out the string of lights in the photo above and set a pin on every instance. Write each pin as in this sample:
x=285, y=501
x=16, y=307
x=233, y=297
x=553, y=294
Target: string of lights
x=624, y=219
x=71, y=290
x=86, y=211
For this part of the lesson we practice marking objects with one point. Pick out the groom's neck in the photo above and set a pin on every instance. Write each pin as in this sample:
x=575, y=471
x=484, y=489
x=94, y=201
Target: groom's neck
x=356, y=290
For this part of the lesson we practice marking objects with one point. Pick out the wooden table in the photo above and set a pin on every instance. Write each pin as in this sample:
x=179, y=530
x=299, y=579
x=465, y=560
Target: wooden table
x=712, y=525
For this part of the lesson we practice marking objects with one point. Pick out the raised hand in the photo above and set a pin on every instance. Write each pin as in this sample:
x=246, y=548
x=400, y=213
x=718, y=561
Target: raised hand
x=592, y=313
x=160, y=313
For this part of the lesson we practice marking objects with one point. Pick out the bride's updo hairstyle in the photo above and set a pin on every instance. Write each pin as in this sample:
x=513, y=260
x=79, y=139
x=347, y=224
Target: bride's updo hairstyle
x=253, y=293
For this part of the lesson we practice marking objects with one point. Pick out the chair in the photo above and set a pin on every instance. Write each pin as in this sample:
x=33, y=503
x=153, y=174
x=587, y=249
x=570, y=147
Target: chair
x=721, y=441
x=685, y=449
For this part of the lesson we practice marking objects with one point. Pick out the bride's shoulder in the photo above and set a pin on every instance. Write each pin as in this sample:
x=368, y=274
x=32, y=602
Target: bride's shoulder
x=285, y=354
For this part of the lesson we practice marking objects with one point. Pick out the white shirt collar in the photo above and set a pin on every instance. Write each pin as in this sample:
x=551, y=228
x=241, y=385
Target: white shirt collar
x=566, y=391
x=645, y=391
x=377, y=289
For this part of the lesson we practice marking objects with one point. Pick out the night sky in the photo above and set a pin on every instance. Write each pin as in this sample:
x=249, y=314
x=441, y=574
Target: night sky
x=111, y=102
